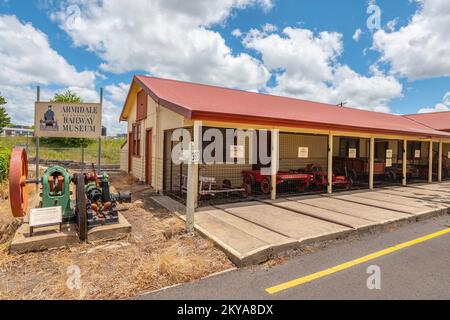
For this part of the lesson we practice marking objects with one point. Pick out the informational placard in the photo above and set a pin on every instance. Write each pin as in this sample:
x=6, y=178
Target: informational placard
x=417, y=154
x=45, y=216
x=237, y=152
x=303, y=152
x=68, y=120
x=190, y=156
x=389, y=153
x=352, y=153
x=388, y=162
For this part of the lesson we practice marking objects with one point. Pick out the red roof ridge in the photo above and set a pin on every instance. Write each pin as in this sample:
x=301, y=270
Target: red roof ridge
x=260, y=93
x=425, y=113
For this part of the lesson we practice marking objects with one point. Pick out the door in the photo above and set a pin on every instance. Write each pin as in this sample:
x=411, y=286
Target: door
x=148, y=157
x=130, y=151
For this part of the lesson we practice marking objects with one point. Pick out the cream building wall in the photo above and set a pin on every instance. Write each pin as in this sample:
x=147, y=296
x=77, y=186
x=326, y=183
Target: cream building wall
x=158, y=119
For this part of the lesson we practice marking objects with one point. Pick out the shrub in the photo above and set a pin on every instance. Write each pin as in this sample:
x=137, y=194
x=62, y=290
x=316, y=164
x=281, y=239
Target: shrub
x=5, y=153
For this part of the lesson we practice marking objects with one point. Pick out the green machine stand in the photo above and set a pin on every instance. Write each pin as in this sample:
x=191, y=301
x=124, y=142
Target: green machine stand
x=56, y=192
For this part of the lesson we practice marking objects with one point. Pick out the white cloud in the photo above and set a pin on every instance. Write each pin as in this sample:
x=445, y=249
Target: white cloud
x=166, y=38
x=357, y=35
x=26, y=57
x=420, y=49
x=392, y=24
x=306, y=66
x=444, y=106
x=236, y=33
x=118, y=92
x=268, y=27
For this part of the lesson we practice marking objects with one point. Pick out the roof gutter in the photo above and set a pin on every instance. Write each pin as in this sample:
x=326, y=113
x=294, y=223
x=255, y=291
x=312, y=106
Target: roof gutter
x=303, y=124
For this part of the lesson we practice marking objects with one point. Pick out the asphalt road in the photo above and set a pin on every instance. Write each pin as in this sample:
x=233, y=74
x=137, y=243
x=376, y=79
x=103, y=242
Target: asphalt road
x=421, y=271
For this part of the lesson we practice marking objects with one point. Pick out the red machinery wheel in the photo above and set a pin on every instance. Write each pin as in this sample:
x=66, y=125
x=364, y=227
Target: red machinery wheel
x=265, y=186
x=18, y=175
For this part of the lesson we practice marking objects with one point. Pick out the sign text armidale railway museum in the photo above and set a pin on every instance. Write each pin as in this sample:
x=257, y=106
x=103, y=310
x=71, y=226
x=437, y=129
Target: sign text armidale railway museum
x=68, y=120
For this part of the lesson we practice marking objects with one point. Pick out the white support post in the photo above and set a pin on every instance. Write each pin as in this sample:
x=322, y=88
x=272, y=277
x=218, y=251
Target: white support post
x=430, y=162
x=330, y=164
x=372, y=162
x=404, y=162
x=192, y=181
x=274, y=163
x=440, y=162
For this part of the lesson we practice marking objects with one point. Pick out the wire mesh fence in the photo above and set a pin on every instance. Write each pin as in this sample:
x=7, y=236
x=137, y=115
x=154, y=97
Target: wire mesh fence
x=351, y=159
x=388, y=163
x=417, y=161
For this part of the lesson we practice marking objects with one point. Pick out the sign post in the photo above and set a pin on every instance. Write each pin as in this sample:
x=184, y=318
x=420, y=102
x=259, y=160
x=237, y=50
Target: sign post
x=100, y=138
x=38, y=99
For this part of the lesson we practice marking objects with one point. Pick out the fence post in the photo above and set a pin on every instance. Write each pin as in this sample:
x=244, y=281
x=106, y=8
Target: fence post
x=372, y=162
x=404, y=162
x=82, y=159
x=192, y=181
x=274, y=161
x=330, y=164
x=430, y=162
x=440, y=162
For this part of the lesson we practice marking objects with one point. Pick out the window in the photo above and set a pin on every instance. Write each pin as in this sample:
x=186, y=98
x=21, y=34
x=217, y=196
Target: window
x=136, y=133
x=141, y=113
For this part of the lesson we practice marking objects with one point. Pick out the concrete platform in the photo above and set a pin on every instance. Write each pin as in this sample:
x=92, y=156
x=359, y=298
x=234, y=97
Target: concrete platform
x=374, y=214
x=251, y=232
x=416, y=192
x=50, y=237
x=387, y=204
x=399, y=199
x=303, y=228
x=323, y=214
x=244, y=242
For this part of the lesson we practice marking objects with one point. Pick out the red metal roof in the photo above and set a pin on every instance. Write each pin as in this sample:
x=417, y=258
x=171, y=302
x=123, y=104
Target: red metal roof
x=198, y=101
x=435, y=120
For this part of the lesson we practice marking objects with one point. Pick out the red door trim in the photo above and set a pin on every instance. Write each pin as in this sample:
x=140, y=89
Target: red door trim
x=148, y=157
x=130, y=151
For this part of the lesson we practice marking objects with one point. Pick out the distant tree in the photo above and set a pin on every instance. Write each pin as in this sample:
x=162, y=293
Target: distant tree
x=5, y=119
x=67, y=97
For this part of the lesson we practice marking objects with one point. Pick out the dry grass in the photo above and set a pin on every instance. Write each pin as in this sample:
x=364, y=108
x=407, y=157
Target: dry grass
x=158, y=253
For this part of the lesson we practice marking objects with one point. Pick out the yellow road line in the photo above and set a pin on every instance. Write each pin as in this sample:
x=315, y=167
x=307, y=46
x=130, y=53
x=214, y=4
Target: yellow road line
x=349, y=264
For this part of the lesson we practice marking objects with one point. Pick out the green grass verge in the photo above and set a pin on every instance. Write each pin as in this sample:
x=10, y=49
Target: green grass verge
x=110, y=150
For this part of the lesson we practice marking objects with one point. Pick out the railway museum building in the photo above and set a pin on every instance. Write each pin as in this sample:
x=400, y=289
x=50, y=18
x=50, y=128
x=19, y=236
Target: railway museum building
x=317, y=148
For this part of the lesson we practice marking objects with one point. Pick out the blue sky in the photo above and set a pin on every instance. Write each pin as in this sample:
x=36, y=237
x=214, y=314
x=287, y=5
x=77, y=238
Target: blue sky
x=305, y=49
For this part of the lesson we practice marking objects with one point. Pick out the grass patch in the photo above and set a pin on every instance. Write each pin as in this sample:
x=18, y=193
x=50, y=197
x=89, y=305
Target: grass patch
x=110, y=150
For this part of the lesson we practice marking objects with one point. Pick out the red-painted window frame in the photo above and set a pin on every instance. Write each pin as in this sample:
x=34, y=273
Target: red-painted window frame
x=136, y=133
x=142, y=100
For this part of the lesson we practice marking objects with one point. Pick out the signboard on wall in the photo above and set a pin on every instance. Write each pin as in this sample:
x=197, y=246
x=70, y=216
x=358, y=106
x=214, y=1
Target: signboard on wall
x=237, y=152
x=389, y=153
x=303, y=152
x=388, y=162
x=68, y=120
x=352, y=153
x=448, y=155
x=417, y=154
